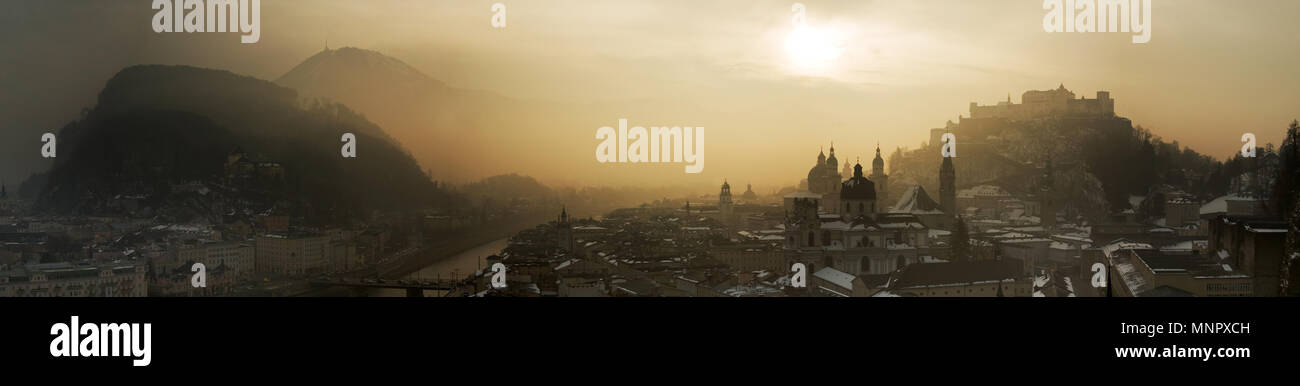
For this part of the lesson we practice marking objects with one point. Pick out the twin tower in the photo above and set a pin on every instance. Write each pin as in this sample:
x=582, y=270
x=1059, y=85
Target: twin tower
x=826, y=179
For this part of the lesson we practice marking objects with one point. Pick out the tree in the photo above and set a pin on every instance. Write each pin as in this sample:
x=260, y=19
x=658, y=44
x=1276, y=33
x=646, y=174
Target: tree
x=960, y=241
x=1288, y=173
x=1291, y=272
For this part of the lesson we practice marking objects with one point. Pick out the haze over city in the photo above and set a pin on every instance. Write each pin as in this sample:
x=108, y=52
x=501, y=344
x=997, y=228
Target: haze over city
x=1211, y=71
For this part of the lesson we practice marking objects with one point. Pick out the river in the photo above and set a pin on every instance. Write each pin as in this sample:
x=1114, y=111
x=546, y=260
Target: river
x=457, y=266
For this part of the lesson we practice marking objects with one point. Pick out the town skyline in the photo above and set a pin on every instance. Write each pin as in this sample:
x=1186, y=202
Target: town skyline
x=889, y=86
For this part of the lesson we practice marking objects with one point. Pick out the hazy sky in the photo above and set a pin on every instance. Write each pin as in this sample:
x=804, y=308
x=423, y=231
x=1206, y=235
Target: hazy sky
x=1212, y=70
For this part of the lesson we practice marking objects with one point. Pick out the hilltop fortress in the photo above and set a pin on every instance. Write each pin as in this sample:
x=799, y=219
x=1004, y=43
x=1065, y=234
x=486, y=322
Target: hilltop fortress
x=1050, y=103
x=1034, y=104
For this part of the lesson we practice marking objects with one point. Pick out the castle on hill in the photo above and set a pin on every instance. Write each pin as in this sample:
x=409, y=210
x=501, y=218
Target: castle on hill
x=1050, y=103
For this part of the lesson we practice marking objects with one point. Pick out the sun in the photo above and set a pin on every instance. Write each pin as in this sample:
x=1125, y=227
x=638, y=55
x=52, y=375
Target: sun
x=812, y=47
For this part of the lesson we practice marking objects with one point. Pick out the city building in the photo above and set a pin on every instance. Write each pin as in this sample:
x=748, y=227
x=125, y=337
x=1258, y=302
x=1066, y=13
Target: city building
x=1147, y=272
x=292, y=254
x=1254, y=245
x=859, y=239
x=86, y=279
x=983, y=278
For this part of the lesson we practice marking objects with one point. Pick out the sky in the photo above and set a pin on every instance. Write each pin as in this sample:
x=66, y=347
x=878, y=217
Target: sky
x=1211, y=71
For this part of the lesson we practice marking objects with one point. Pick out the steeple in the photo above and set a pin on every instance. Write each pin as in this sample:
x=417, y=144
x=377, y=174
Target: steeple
x=724, y=201
x=878, y=164
x=832, y=163
x=948, y=187
x=564, y=231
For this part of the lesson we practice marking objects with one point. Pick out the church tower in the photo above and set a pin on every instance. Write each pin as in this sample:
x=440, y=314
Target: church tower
x=832, y=163
x=879, y=177
x=564, y=231
x=749, y=194
x=948, y=187
x=824, y=179
x=724, y=203
x=803, y=226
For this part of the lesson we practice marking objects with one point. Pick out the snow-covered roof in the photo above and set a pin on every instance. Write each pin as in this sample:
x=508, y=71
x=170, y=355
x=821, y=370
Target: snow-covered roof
x=835, y=276
x=983, y=190
x=914, y=200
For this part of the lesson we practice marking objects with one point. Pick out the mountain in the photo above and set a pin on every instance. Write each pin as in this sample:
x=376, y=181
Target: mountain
x=462, y=135
x=155, y=128
x=445, y=127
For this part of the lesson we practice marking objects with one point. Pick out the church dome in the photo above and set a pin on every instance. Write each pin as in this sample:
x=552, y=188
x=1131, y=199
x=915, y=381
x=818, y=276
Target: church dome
x=858, y=187
x=814, y=173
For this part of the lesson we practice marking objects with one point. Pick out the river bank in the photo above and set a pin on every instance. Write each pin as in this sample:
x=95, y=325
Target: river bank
x=485, y=240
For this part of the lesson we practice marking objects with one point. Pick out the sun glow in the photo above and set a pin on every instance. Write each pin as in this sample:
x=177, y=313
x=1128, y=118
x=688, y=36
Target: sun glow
x=812, y=47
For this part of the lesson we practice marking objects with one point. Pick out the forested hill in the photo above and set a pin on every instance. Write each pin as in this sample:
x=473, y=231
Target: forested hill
x=155, y=127
x=1098, y=162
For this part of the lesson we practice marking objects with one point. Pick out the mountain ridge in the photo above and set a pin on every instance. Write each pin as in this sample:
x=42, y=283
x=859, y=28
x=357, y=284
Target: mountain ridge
x=158, y=126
